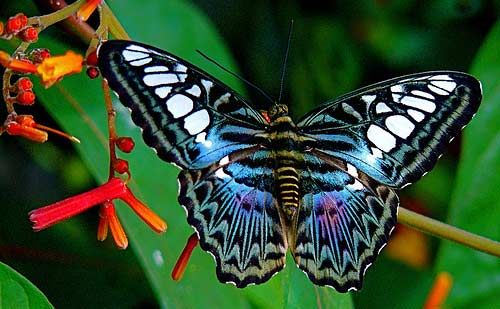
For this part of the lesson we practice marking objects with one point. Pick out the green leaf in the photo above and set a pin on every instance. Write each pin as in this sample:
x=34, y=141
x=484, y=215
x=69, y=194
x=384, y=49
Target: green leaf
x=17, y=292
x=76, y=103
x=476, y=199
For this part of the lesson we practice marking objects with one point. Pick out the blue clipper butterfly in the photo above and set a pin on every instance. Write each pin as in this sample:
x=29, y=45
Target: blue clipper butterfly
x=256, y=185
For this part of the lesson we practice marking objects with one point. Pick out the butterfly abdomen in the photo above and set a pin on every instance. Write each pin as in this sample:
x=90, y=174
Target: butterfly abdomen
x=288, y=188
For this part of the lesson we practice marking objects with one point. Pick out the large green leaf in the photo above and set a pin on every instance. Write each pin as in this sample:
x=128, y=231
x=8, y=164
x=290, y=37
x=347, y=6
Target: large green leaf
x=77, y=105
x=476, y=199
x=17, y=292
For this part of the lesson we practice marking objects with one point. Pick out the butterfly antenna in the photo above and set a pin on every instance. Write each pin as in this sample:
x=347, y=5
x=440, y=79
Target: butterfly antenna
x=236, y=75
x=283, y=70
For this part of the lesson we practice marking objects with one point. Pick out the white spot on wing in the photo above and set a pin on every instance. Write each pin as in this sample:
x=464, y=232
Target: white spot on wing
x=437, y=90
x=207, y=84
x=156, y=68
x=399, y=125
x=133, y=55
x=138, y=48
x=180, y=68
x=423, y=94
x=220, y=172
x=160, y=79
x=381, y=138
x=377, y=153
x=179, y=105
x=224, y=160
x=351, y=170
x=138, y=63
x=418, y=116
x=441, y=77
x=163, y=92
x=422, y=104
x=195, y=90
x=447, y=85
x=368, y=98
x=202, y=138
x=357, y=185
x=223, y=99
x=382, y=108
x=197, y=121
x=397, y=88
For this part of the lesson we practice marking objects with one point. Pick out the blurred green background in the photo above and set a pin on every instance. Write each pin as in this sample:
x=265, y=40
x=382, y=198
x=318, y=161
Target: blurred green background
x=337, y=47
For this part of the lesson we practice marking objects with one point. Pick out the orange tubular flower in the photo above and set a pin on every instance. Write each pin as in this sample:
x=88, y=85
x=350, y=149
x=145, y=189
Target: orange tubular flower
x=180, y=266
x=87, y=9
x=109, y=219
x=439, y=291
x=52, y=69
x=16, y=64
x=115, y=188
x=28, y=132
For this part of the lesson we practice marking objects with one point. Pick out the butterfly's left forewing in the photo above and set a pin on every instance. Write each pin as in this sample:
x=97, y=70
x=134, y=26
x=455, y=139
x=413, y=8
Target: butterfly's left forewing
x=189, y=117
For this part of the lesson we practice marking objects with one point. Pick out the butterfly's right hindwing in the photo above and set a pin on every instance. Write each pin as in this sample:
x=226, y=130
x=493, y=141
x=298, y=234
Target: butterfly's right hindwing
x=190, y=118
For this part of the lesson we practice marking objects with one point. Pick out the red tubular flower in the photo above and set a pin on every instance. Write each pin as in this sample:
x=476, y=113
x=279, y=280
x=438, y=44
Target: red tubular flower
x=115, y=188
x=439, y=291
x=87, y=9
x=26, y=131
x=180, y=266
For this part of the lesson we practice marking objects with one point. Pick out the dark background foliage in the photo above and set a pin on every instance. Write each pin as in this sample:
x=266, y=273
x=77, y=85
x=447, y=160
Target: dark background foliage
x=337, y=46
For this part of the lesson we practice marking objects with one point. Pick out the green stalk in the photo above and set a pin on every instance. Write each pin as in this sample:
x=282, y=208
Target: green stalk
x=446, y=231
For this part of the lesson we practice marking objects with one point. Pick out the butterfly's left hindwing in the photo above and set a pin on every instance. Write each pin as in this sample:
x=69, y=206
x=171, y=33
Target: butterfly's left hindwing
x=396, y=130
x=233, y=209
x=189, y=117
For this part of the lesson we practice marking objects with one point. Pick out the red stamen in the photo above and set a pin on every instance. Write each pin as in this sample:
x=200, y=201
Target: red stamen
x=180, y=266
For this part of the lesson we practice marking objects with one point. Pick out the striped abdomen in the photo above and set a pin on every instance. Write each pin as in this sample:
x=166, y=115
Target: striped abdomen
x=288, y=188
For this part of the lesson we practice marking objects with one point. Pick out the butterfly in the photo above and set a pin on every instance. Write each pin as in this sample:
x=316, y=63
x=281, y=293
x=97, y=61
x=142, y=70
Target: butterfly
x=256, y=184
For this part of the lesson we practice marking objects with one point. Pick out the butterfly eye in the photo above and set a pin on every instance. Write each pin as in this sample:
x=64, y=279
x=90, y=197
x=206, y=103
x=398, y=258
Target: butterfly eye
x=266, y=116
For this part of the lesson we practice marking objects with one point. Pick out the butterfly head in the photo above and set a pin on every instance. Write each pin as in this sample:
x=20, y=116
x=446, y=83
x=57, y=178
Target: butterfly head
x=278, y=110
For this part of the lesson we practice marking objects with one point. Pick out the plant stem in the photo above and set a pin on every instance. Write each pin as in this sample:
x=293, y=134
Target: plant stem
x=446, y=231
x=115, y=27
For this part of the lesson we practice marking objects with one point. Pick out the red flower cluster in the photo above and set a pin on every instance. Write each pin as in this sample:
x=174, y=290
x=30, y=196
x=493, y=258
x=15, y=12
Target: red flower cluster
x=105, y=194
x=18, y=25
